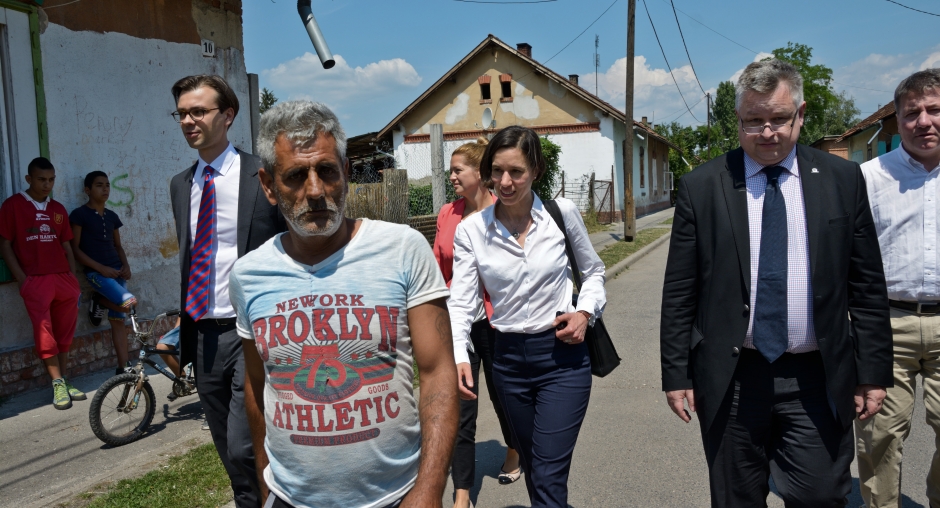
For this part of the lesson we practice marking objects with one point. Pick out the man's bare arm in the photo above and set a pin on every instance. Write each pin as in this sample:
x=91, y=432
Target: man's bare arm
x=254, y=408
x=438, y=406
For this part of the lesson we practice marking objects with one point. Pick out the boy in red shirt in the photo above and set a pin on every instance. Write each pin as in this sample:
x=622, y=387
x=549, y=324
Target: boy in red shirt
x=34, y=243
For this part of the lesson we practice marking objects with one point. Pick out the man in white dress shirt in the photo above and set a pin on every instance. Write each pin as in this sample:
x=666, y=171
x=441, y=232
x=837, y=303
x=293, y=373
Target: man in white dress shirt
x=904, y=190
x=221, y=213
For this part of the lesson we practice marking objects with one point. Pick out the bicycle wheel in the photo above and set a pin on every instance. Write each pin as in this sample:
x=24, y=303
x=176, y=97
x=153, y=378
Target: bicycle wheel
x=109, y=418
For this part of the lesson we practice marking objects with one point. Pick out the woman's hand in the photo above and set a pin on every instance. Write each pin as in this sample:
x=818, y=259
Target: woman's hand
x=575, y=325
x=465, y=381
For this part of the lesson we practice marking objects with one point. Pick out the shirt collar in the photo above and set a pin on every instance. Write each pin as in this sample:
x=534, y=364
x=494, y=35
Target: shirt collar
x=222, y=164
x=913, y=163
x=489, y=213
x=752, y=167
x=31, y=200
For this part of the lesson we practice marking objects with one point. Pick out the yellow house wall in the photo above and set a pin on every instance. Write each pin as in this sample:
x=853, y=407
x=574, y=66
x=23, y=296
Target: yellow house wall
x=537, y=100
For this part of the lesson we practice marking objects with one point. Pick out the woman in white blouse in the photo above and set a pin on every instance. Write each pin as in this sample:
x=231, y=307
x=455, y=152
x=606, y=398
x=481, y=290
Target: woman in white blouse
x=541, y=366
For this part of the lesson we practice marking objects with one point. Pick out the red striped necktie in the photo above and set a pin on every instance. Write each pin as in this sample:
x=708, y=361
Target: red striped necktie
x=200, y=261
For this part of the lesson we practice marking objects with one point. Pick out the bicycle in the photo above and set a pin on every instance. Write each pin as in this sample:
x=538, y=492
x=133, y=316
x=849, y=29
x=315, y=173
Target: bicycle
x=117, y=414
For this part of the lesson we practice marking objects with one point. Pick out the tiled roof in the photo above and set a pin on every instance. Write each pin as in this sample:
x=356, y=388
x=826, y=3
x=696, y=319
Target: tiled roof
x=886, y=111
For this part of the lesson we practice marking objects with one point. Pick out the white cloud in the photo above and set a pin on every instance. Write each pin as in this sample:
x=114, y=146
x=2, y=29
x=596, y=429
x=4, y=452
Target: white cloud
x=871, y=80
x=342, y=86
x=654, y=93
x=932, y=61
x=760, y=56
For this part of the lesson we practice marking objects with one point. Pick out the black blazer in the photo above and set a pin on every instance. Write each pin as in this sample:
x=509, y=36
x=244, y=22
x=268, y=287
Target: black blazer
x=258, y=221
x=708, y=276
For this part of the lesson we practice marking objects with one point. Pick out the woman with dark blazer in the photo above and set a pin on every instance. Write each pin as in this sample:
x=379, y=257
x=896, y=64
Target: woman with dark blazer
x=516, y=253
x=474, y=196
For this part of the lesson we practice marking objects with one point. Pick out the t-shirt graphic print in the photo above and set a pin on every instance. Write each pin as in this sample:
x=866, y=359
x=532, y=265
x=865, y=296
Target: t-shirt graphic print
x=341, y=418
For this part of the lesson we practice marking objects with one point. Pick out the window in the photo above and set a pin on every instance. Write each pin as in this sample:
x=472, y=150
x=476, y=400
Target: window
x=642, y=171
x=19, y=122
x=505, y=84
x=653, y=174
x=485, y=97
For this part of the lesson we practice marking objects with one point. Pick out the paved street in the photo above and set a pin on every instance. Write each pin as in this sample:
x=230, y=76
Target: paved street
x=632, y=452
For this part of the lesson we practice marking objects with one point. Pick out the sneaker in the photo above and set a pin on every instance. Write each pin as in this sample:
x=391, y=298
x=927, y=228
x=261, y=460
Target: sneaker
x=74, y=393
x=60, y=395
x=128, y=369
x=95, y=311
x=205, y=426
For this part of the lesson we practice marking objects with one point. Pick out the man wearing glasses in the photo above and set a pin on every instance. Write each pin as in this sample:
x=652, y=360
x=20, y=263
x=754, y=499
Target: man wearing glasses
x=773, y=250
x=221, y=213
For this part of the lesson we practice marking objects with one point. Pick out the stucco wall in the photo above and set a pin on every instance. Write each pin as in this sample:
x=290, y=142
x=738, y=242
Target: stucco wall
x=108, y=103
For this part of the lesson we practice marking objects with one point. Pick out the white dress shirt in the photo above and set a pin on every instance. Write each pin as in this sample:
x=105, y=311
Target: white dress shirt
x=802, y=336
x=526, y=285
x=903, y=195
x=227, y=175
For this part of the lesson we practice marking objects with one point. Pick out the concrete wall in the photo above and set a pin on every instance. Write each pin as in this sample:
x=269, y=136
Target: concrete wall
x=108, y=104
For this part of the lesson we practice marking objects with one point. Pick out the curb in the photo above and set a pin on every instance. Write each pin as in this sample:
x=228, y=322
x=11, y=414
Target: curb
x=625, y=263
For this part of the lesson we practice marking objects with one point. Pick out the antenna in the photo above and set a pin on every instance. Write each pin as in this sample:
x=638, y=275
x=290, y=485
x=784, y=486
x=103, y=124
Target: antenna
x=597, y=60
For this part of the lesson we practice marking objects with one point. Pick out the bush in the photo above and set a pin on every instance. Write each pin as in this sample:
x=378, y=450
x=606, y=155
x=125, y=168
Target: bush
x=544, y=186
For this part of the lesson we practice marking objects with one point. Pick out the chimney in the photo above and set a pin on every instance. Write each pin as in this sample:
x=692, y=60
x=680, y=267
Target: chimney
x=524, y=48
x=573, y=78
x=643, y=121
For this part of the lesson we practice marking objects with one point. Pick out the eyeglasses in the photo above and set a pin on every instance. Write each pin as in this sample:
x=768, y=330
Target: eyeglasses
x=774, y=127
x=196, y=114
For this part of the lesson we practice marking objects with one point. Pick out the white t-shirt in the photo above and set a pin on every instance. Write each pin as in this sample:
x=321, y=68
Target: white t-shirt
x=341, y=418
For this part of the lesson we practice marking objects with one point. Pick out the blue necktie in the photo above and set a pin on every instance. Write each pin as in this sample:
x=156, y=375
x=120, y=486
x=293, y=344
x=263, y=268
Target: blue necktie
x=770, y=309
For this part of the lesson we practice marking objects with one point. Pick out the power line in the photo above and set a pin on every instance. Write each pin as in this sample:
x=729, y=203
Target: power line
x=713, y=30
x=582, y=32
x=862, y=87
x=507, y=2
x=667, y=62
x=686, y=47
x=681, y=111
x=913, y=9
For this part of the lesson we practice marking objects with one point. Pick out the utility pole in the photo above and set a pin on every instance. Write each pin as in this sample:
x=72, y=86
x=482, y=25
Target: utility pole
x=629, y=205
x=708, y=101
x=597, y=60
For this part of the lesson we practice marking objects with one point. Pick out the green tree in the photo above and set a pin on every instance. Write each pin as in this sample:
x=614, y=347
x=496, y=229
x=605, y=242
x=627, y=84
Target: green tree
x=267, y=100
x=826, y=112
x=544, y=186
x=686, y=139
x=724, y=119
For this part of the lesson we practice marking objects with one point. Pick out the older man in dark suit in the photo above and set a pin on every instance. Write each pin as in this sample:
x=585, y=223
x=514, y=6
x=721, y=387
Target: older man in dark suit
x=221, y=213
x=775, y=323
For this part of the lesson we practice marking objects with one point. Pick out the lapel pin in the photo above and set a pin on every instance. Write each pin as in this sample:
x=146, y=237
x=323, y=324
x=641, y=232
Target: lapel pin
x=815, y=170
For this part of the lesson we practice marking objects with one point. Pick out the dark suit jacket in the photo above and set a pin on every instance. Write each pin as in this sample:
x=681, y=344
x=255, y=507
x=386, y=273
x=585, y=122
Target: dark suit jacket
x=258, y=221
x=708, y=276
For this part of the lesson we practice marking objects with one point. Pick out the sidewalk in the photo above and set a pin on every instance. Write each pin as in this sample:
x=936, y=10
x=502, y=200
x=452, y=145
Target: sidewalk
x=614, y=232
x=52, y=455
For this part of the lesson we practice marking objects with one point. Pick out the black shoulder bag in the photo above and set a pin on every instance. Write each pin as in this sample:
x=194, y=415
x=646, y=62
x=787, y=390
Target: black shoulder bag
x=604, y=357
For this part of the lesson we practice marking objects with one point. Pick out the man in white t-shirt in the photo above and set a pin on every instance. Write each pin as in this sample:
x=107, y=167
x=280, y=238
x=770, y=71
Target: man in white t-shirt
x=333, y=315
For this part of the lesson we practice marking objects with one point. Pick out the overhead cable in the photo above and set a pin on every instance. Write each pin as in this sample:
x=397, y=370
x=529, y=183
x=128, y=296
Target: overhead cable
x=686, y=47
x=913, y=9
x=582, y=32
x=667, y=62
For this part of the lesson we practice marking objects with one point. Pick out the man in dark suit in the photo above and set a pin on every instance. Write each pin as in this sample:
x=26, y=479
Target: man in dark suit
x=775, y=323
x=221, y=213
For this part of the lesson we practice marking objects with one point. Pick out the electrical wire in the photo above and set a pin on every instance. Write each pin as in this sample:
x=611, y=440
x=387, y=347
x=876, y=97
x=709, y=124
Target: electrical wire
x=582, y=32
x=712, y=29
x=683, y=111
x=913, y=9
x=667, y=62
x=508, y=2
x=673, y=4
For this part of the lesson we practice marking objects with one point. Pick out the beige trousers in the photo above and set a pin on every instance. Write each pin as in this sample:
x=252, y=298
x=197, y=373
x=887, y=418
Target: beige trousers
x=880, y=440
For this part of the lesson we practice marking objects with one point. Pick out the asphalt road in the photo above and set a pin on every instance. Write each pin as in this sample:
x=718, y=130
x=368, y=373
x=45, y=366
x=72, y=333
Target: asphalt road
x=51, y=455
x=633, y=451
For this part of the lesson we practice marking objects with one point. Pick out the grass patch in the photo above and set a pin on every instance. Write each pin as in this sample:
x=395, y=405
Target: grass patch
x=193, y=479
x=620, y=250
x=591, y=223
x=667, y=221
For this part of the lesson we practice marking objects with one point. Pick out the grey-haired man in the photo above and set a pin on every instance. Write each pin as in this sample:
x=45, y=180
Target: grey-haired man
x=332, y=314
x=772, y=249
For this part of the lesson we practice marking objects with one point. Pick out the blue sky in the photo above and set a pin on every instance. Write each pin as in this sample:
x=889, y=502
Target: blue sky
x=389, y=52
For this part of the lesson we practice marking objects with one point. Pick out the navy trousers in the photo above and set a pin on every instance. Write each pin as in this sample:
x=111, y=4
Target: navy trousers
x=544, y=386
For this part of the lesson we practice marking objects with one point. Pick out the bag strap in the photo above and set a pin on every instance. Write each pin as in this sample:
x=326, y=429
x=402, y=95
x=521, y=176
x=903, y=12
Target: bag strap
x=555, y=212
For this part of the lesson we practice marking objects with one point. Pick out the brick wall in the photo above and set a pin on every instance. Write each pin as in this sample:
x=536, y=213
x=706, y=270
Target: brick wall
x=22, y=370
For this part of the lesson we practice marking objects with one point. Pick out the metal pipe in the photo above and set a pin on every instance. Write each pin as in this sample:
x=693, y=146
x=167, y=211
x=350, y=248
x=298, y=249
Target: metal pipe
x=880, y=126
x=316, y=37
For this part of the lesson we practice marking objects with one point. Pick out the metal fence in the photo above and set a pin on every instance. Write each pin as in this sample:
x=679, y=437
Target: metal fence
x=589, y=194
